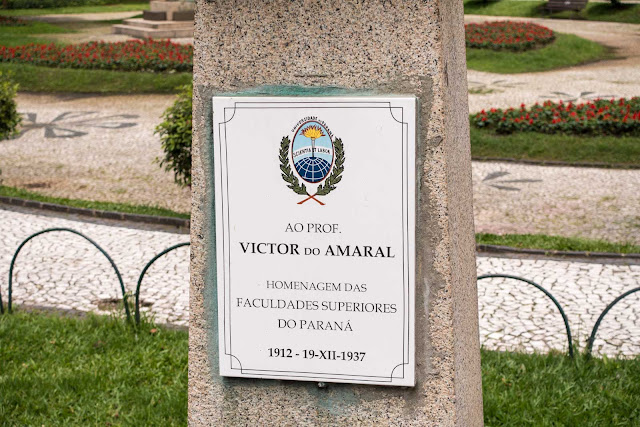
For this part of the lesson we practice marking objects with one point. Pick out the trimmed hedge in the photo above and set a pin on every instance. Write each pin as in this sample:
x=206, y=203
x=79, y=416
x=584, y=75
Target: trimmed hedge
x=599, y=117
x=132, y=55
x=9, y=117
x=11, y=21
x=507, y=35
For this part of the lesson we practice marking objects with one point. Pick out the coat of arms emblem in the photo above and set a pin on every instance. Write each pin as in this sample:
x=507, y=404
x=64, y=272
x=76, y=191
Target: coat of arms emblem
x=317, y=159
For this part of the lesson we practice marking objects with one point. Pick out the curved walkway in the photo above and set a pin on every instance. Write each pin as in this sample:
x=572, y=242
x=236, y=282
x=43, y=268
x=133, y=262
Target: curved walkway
x=83, y=17
x=103, y=148
x=64, y=271
x=612, y=78
x=61, y=270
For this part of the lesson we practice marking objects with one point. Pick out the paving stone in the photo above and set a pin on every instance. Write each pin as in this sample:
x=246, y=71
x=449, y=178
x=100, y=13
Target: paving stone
x=513, y=315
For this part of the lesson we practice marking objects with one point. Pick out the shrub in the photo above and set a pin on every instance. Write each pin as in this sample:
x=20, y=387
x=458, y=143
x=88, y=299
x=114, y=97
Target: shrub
x=9, y=117
x=132, y=55
x=10, y=21
x=41, y=4
x=599, y=117
x=507, y=35
x=175, y=136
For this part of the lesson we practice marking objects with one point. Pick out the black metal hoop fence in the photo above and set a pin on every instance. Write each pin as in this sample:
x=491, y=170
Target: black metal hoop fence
x=137, y=319
x=544, y=291
x=103, y=252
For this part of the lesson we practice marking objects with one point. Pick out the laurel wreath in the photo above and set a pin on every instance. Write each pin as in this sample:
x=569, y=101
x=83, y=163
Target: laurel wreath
x=292, y=181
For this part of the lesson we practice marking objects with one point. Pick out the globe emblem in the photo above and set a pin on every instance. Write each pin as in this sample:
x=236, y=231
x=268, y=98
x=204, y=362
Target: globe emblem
x=312, y=152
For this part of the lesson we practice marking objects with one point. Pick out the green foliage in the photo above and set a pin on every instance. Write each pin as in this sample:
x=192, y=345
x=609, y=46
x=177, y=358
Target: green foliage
x=9, y=117
x=175, y=135
x=555, y=243
x=90, y=371
x=11, y=21
x=598, y=117
x=554, y=390
x=566, y=51
x=90, y=204
x=507, y=35
x=130, y=55
x=617, y=151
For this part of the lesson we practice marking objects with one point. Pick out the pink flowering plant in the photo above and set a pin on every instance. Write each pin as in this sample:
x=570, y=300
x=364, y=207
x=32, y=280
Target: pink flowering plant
x=598, y=117
x=507, y=35
x=132, y=55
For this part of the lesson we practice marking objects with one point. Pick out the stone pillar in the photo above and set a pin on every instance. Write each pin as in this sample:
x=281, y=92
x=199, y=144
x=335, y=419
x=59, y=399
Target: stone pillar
x=376, y=47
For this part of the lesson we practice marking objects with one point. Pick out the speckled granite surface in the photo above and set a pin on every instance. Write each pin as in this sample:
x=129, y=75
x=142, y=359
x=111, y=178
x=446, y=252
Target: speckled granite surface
x=379, y=47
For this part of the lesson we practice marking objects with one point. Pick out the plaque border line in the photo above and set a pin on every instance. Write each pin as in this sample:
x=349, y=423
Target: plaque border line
x=405, y=246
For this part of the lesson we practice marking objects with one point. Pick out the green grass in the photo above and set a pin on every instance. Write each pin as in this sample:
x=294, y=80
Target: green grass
x=554, y=390
x=44, y=79
x=90, y=371
x=555, y=243
x=503, y=8
x=33, y=32
x=100, y=371
x=32, y=27
x=105, y=206
x=566, y=51
x=594, y=11
x=558, y=147
x=124, y=6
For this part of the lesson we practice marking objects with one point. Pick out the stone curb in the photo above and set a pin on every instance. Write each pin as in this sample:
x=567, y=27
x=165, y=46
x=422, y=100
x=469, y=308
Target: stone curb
x=556, y=163
x=560, y=254
x=185, y=223
x=94, y=213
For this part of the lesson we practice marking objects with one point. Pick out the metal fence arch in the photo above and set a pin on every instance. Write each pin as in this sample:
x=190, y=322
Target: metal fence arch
x=144, y=271
x=594, y=331
x=590, y=342
x=50, y=230
x=547, y=293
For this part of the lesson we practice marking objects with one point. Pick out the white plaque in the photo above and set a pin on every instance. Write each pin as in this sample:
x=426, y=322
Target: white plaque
x=315, y=237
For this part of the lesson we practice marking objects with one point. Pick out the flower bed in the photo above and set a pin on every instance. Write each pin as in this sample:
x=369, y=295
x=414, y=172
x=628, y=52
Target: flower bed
x=132, y=55
x=10, y=21
x=599, y=117
x=507, y=35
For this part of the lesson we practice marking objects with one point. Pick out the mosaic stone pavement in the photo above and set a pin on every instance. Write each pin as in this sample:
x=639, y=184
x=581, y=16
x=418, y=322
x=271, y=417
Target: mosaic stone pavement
x=516, y=316
x=591, y=203
x=62, y=270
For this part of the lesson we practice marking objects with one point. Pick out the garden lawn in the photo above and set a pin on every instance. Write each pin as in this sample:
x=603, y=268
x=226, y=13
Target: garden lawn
x=100, y=371
x=617, y=151
x=594, y=11
x=90, y=371
x=123, y=6
x=32, y=32
x=555, y=243
x=88, y=204
x=45, y=79
x=554, y=390
x=566, y=51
